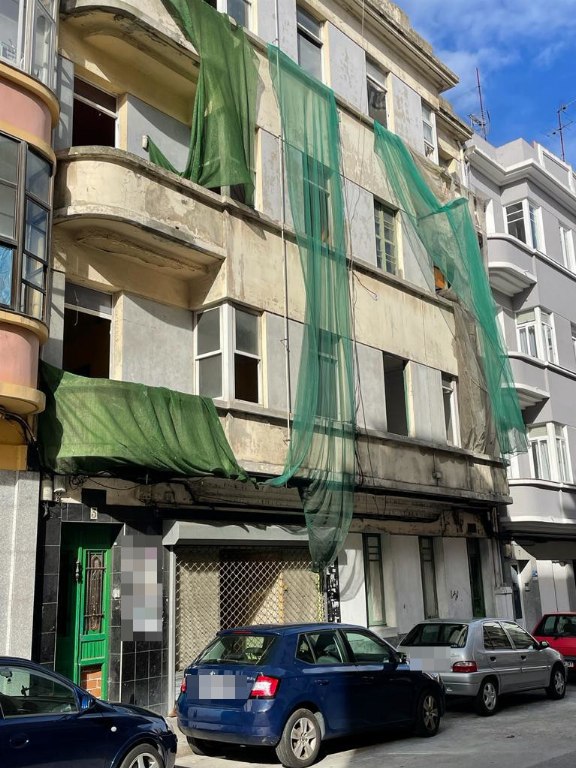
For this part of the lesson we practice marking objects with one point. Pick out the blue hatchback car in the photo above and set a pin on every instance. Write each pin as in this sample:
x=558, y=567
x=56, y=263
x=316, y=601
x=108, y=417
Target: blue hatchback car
x=45, y=720
x=293, y=686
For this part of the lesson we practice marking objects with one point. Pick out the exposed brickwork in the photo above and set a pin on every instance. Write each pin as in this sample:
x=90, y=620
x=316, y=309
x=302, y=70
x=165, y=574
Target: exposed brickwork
x=91, y=680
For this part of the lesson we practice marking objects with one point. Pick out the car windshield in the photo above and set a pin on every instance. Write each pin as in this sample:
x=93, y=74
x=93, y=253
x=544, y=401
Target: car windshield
x=237, y=648
x=440, y=634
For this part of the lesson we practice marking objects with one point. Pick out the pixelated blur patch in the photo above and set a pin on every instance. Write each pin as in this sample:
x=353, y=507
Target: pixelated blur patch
x=220, y=686
x=141, y=587
x=430, y=660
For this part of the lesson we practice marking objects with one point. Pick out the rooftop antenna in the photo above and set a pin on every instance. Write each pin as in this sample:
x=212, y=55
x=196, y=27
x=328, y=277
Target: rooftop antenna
x=480, y=122
x=562, y=127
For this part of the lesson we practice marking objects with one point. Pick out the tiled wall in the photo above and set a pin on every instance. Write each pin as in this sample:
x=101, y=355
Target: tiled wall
x=137, y=670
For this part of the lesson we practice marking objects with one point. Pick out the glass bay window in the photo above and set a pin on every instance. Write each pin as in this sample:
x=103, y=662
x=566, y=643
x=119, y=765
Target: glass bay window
x=25, y=197
x=27, y=36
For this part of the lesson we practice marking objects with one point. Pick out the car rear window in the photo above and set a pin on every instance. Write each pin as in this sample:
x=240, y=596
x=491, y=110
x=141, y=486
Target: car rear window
x=237, y=648
x=441, y=634
x=557, y=625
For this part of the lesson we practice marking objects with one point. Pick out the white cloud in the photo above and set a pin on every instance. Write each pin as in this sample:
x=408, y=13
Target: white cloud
x=464, y=25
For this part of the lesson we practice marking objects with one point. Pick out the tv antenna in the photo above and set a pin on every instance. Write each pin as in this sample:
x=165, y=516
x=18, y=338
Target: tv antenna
x=562, y=127
x=480, y=122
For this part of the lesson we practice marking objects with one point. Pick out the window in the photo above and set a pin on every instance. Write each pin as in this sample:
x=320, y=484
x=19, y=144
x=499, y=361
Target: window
x=228, y=354
x=327, y=404
x=386, y=246
x=376, y=87
x=316, y=198
x=494, y=637
x=523, y=221
x=476, y=582
x=25, y=196
x=27, y=37
x=374, y=578
x=521, y=639
x=428, y=130
x=428, y=570
x=536, y=335
x=309, y=43
x=87, y=326
x=320, y=648
x=567, y=241
x=450, y=410
x=24, y=692
x=246, y=357
x=240, y=10
x=549, y=455
x=94, y=120
x=395, y=394
x=367, y=649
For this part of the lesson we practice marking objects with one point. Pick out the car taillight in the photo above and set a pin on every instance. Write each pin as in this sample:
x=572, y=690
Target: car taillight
x=464, y=666
x=264, y=687
x=183, y=685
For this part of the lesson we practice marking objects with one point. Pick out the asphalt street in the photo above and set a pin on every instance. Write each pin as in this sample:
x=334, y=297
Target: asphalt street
x=529, y=731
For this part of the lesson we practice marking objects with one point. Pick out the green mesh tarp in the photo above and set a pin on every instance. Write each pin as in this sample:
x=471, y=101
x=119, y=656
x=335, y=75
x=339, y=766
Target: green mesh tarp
x=448, y=236
x=323, y=430
x=223, y=122
x=98, y=425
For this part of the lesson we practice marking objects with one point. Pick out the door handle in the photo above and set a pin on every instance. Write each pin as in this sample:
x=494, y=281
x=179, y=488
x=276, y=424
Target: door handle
x=523, y=658
x=368, y=678
x=492, y=658
x=322, y=682
x=19, y=740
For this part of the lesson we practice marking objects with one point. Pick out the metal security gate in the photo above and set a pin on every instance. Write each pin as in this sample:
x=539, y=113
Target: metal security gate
x=220, y=587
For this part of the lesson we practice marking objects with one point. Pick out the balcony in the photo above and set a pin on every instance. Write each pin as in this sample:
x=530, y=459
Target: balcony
x=20, y=340
x=529, y=375
x=139, y=37
x=111, y=203
x=509, y=265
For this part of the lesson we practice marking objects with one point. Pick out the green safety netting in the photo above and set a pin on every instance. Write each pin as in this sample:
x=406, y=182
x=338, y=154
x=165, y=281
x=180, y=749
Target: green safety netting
x=223, y=122
x=448, y=236
x=99, y=425
x=322, y=447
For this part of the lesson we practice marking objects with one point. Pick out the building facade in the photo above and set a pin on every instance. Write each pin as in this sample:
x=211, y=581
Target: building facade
x=158, y=281
x=530, y=199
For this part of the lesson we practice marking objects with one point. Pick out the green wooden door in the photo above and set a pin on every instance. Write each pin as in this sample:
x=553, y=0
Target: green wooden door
x=84, y=627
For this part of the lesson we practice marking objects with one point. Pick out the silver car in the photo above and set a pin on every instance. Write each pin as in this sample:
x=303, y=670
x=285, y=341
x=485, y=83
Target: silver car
x=484, y=658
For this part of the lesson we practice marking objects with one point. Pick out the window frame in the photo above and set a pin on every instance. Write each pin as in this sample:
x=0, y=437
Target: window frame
x=531, y=220
x=390, y=265
x=302, y=31
x=372, y=550
x=390, y=406
x=450, y=396
x=378, y=80
x=427, y=542
x=22, y=285
x=223, y=7
x=24, y=49
x=568, y=251
x=541, y=344
x=428, y=122
x=228, y=350
x=551, y=437
x=97, y=106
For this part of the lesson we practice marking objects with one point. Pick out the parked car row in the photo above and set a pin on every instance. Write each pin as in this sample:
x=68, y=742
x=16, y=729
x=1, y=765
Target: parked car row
x=292, y=687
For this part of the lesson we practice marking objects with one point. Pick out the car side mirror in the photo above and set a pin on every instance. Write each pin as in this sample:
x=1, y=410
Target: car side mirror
x=543, y=644
x=87, y=702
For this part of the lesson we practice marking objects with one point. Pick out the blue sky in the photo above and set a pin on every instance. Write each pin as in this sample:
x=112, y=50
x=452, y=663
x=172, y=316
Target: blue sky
x=526, y=53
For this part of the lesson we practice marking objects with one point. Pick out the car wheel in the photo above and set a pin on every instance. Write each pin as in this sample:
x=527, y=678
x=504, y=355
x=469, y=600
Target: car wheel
x=300, y=742
x=557, y=687
x=487, y=698
x=203, y=746
x=427, y=714
x=143, y=756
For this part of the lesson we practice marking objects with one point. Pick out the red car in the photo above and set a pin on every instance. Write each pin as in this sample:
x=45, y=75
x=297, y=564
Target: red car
x=559, y=630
